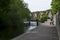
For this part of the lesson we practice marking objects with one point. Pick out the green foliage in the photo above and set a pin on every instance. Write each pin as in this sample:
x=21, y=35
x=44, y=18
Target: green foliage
x=55, y=5
x=44, y=17
x=12, y=14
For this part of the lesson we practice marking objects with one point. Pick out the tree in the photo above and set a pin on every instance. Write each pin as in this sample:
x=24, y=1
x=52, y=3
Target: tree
x=12, y=14
x=44, y=17
x=55, y=5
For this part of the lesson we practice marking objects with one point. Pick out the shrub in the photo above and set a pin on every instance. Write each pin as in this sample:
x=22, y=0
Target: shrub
x=44, y=18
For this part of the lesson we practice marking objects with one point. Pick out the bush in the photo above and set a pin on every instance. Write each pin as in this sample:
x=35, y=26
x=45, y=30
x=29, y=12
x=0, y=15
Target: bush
x=44, y=18
x=12, y=14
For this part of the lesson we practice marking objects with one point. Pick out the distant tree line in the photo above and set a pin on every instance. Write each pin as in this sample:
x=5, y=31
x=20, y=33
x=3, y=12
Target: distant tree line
x=12, y=14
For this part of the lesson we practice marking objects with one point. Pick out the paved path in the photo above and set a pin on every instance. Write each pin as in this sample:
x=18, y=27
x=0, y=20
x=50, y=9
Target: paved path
x=47, y=23
x=39, y=33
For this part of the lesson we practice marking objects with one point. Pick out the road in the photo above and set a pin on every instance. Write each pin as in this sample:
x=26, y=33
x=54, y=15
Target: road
x=41, y=32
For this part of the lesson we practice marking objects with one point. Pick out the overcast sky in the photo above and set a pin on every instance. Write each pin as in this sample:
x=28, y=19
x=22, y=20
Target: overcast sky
x=38, y=5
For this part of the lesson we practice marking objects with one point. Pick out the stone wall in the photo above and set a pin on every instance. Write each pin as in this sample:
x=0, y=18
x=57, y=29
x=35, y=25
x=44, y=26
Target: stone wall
x=58, y=23
x=54, y=18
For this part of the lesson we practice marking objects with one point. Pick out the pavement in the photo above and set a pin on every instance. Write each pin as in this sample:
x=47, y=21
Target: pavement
x=47, y=23
x=41, y=32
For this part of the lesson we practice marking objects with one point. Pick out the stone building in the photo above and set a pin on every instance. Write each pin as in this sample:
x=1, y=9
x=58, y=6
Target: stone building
x=37, y=14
